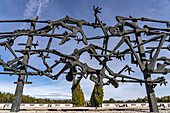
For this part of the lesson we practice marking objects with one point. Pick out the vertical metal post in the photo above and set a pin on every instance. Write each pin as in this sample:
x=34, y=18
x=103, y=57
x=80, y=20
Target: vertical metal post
x=20, y=84
x=74, y=79
x=149, y=88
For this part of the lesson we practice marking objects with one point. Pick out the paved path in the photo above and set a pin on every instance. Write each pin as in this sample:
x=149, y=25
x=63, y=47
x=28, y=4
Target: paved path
x=167, y=111
x=84, y=110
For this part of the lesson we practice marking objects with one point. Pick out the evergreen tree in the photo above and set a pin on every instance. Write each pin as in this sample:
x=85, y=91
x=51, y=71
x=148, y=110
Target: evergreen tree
x=78, y=96
x=96, y=96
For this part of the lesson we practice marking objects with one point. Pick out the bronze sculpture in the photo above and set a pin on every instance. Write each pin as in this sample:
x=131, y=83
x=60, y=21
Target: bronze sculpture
x=19, y=65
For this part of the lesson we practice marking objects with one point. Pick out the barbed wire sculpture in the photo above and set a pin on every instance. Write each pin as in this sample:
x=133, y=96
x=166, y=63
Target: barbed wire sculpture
x=18, y=65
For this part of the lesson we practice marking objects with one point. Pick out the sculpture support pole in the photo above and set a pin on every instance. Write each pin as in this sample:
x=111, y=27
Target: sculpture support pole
x=151, y=95
x=149, y=89
x=20, y=84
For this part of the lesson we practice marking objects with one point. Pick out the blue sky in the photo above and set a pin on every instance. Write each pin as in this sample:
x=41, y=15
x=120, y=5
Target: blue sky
x=78, y=9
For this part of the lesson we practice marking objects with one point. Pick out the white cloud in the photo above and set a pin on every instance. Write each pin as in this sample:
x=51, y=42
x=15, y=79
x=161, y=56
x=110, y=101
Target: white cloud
x=48, y=91
x=7, y=87
x=35, y=7
x=46, y=88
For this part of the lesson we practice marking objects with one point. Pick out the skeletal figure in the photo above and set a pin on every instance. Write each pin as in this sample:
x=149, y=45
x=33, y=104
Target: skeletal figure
x=8, y=44
x=5, y=66
x=96, y=75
